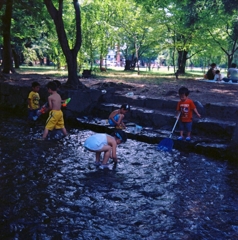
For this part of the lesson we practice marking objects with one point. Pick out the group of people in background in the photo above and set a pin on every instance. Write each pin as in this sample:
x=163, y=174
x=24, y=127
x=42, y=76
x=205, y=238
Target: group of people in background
x=214, y=74
x=102, y=142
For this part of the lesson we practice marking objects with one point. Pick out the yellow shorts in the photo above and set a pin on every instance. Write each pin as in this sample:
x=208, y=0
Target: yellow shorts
x=55, y=120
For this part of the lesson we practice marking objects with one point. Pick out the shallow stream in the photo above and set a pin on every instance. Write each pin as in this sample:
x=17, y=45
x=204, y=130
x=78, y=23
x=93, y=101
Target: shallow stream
x=52, y=190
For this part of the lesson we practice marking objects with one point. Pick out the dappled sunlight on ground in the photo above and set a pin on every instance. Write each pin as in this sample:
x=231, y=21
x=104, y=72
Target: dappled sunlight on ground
x=152, y=84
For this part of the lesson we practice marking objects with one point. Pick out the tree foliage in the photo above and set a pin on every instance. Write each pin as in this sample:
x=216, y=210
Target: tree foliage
x=70, y=34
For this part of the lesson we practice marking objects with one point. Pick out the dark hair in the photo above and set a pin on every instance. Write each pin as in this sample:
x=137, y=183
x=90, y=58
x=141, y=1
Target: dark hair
x=35, y=84
x=120, y=135
x=52, y=86
x=183, y=90
x=125, y=107
x=233, y=65
x=213, y=65
x=58, y=83
x=217, y=71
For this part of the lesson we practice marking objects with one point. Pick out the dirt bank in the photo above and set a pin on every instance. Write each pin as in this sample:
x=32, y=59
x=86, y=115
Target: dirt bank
x=205, y=92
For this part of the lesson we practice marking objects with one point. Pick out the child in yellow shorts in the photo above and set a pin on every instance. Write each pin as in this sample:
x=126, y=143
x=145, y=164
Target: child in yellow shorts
x=55, y=119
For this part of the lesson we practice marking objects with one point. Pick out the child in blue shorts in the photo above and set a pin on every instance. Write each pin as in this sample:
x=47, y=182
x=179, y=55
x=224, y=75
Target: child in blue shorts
x=185, y=108
x=33, y=101
x=115, y=119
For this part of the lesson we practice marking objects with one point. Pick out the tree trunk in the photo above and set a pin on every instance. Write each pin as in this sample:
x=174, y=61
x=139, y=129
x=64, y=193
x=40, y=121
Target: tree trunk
x=182, y=58
x=229, y=60
x=70, y=54
x=16, y=59
x=101, y=61
x=128, y=65
x=72, y=69
x=7, y=50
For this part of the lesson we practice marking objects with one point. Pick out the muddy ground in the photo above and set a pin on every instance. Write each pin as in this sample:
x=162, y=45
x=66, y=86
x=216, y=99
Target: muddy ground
x=205, y=92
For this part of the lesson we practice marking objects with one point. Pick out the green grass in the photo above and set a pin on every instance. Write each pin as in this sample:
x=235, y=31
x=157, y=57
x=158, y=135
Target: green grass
x=118, y=74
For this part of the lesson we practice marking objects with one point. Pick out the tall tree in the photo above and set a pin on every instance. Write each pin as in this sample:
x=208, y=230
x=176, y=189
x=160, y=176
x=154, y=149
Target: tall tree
x=7, y=50
x=70, y=53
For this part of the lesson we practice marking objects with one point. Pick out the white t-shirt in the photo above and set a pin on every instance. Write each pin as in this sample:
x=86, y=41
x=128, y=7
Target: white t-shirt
x=218, y=77
x=96, y=142
x=233, y=73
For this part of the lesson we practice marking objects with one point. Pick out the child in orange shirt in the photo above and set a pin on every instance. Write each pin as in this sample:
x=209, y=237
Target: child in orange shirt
x=186, y=107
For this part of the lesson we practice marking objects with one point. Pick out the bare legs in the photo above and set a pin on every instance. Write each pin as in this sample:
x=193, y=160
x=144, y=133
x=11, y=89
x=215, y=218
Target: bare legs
x=46, y=131
x=188, y=134
x=120, y=122
x=64, y=132
x=107, y=152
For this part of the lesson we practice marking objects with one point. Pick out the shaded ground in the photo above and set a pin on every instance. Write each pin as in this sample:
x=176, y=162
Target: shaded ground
x=205, y=92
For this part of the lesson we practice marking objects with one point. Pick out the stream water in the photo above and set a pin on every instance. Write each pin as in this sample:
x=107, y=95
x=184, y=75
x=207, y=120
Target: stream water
x=52, y=190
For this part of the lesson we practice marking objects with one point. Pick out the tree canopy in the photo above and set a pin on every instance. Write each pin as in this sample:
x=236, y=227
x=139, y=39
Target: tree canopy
x=79, y=33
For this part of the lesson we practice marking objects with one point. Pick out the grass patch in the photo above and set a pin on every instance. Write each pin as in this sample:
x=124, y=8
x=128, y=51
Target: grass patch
x=157, y=76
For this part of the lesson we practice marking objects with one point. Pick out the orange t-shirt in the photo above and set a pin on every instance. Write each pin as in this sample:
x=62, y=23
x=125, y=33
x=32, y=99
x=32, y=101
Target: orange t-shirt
x=186, y=109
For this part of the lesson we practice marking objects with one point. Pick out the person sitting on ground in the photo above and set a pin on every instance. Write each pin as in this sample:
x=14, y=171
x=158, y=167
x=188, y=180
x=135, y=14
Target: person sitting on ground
x=211, y=72
x=115, y=119
x=101, y=142
x=185, y=108
x=33, y=101
x=232, y=73
x=55, y=119
x=218, y=76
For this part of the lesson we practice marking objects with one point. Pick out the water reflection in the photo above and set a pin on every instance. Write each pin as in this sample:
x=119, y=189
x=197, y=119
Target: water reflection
x=52, y=190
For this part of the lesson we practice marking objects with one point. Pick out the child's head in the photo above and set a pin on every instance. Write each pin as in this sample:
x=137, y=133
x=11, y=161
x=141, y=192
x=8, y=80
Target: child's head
x=120, y=136
x=183, y=93
x=35, y=86
x=125, y=108
x=58, y=84
x=217, y=71
x=51, y=86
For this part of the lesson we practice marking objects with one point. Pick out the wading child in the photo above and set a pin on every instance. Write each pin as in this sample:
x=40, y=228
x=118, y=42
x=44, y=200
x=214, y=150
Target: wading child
x=115, y=119
x=45, y=107
x=186, y=107
x=101, y=142
x=33, y=101
x=64, y=100
x=55, y=119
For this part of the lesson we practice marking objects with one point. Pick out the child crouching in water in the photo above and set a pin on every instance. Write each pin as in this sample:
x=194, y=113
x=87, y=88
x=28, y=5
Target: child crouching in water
x=115, y=119
x=101, y=142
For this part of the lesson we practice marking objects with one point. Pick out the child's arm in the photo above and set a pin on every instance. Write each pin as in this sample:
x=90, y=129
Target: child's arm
x=29, y=103
x=50, y=103
x=196, y=111
x=112, y=115
x=177, y=114
x=123, y=124
x=114, y=120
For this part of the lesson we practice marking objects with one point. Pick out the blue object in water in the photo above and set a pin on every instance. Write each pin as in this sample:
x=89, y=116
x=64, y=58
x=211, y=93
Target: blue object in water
x=166, y=145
